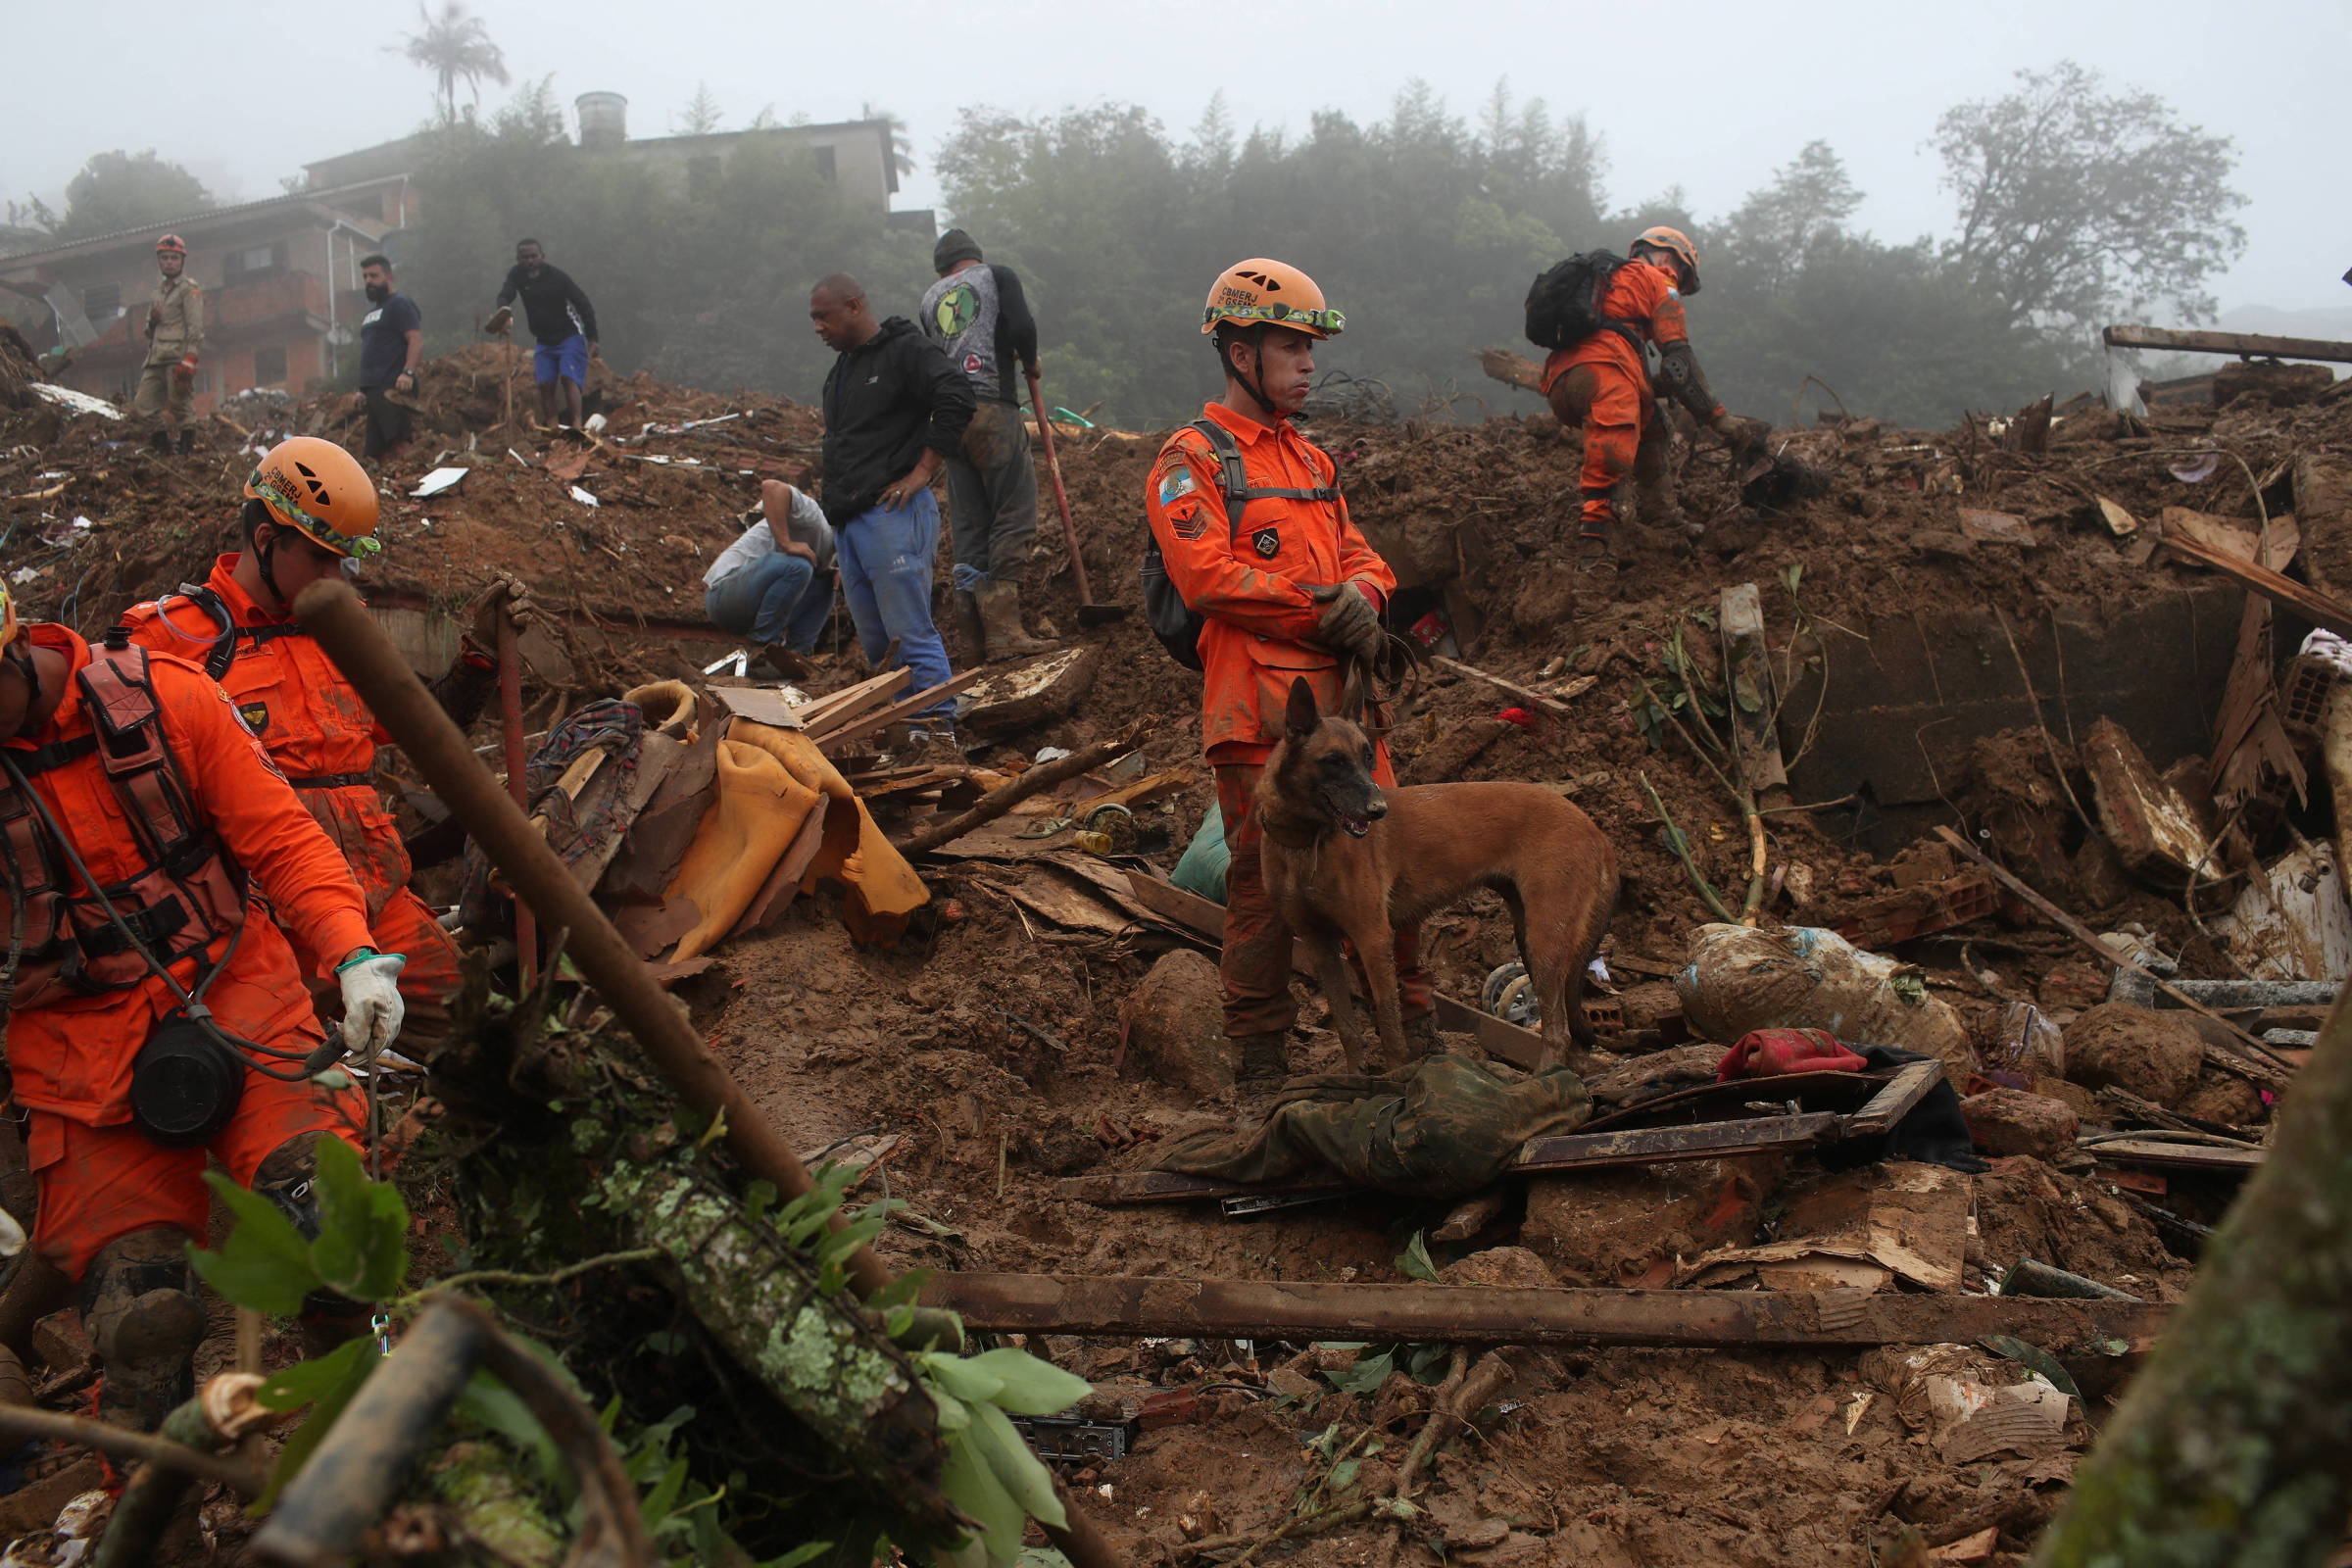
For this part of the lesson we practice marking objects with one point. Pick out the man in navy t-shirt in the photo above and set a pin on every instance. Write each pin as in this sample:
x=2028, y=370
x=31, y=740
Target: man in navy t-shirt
x=391, y=342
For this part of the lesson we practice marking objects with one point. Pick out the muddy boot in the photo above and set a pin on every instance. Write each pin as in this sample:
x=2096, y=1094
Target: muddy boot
x=970, y=627
x=1421, y=1034
x=1261, y=1058
x=144, y=1323
x=1001, y=613
x=187, y=442
x=1656, y=507
x=160, y=442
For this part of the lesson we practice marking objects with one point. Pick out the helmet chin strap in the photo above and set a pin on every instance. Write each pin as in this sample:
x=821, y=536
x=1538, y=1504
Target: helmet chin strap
x=1255, y=385
x=264, y=559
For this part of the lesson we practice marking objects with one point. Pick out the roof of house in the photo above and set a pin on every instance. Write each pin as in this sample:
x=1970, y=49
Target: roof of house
x=195, y=221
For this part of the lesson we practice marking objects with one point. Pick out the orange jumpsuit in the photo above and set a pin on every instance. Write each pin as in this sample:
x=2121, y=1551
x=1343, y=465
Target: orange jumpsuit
x=323, y=739
x=100, y=1177
x=1250, y=585
x=1603, y=384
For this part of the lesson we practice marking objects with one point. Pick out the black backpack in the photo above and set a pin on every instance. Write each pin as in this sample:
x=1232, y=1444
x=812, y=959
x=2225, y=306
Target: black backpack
x=1563, y=305
x=1174, y=623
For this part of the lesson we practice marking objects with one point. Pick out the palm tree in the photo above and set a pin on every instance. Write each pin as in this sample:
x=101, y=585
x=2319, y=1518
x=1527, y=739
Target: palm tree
x=902, y=145
x=455, y=45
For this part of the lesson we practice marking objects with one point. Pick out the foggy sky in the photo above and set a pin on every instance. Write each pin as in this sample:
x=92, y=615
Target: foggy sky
x=1711, y=96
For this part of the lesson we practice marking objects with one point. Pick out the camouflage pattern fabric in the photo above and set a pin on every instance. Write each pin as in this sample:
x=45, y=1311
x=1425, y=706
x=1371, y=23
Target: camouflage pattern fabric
x=1445, y=1130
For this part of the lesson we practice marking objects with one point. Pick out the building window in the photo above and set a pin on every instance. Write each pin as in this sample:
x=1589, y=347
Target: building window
x=102, y=303
x=260, y=260
x=824, y=165
x=269, y=367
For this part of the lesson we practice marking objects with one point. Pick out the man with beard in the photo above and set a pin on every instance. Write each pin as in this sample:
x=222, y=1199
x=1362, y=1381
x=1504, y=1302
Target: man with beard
x=391, y=343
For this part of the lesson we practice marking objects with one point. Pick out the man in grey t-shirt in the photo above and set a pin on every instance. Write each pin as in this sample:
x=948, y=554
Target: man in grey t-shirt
x=775, y=591
x=978, y=315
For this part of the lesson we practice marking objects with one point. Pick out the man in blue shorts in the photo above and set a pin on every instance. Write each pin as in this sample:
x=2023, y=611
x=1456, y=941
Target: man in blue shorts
x=562, y=322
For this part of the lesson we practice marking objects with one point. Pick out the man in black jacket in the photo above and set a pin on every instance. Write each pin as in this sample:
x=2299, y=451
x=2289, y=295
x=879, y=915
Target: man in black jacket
x=978, y=314
x=895, y=410
x=561, y=320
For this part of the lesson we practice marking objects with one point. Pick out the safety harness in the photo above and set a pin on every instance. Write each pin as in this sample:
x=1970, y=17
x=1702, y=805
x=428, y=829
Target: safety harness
x=224, y=650
x=1174, y=623
x=187, y=892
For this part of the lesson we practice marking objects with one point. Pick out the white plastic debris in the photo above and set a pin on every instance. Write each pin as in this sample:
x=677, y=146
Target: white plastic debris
x=80, y=401
x=584, y=498
x=1053, y=753
x=440, y=479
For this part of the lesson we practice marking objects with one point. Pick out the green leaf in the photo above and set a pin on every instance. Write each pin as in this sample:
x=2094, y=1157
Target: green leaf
x=1018, y=1470
x=265, y=1264
x=363, y=1245
x=658, y=1502
x=352, y=1362
x=491, y=1405
x=953, y=1414
x=971, y=1485
x=1367, y=1375
x=966, y=1380
x=1343, y=1474
x=1413, y=1263
x=305, y=1382
x=1032, y=1387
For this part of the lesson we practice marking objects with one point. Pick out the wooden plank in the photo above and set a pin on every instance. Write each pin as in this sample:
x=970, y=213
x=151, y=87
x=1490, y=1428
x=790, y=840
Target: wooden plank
x=1132, y=1307
x=2175, y=1156
x=1658, y=1146
x=897, y=713
x=2260, y=1066
x=2244, y=344
x=833, y=706
x=1522, y=1048
x=1551, y=704
x=1740, y=618
x=1891, y=1104
x=1143, y=792
x=2309, y=602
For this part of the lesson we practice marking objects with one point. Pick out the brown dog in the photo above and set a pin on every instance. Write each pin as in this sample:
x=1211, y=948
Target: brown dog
x=1344, y=857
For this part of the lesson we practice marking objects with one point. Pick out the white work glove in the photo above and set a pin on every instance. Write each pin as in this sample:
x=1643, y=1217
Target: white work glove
x=1349, y=624
x=372, y=1005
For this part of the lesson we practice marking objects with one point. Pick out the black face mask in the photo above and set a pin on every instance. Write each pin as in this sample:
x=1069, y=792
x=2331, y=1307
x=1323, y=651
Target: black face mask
x=378, y=293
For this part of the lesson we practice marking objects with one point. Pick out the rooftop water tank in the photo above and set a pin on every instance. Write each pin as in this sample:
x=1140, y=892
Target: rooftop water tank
x=604, y=119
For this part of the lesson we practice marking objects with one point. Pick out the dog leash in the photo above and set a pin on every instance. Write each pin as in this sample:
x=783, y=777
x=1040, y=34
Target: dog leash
x=1387, y=680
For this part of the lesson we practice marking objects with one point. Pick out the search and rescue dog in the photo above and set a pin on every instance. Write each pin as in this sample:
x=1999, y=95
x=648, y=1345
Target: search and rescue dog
x=1344, y=858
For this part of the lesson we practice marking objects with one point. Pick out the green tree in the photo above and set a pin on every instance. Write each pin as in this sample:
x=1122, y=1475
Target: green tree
x=702, y=116
x=120, y=190
x=1765, y=242
x=2074, y=203
x=454, y=47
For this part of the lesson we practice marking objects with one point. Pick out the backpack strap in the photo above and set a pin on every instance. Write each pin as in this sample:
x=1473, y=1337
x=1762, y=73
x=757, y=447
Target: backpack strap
x=228, y=635
x=1235, y=476
x=119, y=689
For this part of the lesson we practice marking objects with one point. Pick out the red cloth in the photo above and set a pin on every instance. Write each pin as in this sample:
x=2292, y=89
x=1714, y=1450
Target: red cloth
x=1769, y=1053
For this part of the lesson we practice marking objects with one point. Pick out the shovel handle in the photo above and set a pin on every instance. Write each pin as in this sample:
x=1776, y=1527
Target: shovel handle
x=1061, y=497
x=509, y=719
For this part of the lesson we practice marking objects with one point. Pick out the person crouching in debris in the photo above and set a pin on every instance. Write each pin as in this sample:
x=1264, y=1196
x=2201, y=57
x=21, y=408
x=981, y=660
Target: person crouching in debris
x=1596, y=313
x=310, y=511
x=132, y=774
x=775, y=591
x=174, y=334
x=1265, y=581
x=895, y=410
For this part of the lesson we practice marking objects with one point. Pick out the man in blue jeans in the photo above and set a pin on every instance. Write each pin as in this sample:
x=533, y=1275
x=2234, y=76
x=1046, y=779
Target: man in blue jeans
x=775, y=584
x=895, y=409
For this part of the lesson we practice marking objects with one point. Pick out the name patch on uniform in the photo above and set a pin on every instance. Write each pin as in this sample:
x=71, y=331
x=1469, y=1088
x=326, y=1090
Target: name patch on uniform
x=255, y=715
x=1267, y=543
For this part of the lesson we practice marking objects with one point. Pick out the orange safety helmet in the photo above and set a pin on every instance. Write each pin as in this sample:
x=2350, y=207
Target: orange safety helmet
x=320, y=490
x=1261, y=289
x=1676, y=244
x=172, y=243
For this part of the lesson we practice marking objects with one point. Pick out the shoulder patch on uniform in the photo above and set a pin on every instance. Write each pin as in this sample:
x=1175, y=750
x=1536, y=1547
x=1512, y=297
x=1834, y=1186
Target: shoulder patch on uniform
x=256, y=717
x=1175, y=480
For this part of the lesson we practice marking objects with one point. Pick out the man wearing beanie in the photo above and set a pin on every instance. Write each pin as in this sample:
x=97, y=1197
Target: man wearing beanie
x=979, y=316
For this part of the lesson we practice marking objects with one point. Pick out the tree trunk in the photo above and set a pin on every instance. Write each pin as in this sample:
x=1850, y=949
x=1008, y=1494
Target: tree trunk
x=2234, y=1444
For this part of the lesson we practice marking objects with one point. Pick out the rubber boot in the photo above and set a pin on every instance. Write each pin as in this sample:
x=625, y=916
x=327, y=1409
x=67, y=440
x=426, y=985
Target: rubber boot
x=1261, y=1056
x=1000, y=612
x=144, y=1323
x=160, y=441
x=1421, y=1033
x=970, y=626
x=1657, y=508
x=187, y=442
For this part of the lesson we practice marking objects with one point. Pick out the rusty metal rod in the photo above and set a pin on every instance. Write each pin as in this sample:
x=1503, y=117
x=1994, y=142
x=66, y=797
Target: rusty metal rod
x=509, y=722
x=335, y=616
x=1485, y=1315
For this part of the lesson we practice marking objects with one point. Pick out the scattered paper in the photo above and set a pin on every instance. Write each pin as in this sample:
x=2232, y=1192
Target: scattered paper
x=434, y=483
x=583, y=497
x=79, y=402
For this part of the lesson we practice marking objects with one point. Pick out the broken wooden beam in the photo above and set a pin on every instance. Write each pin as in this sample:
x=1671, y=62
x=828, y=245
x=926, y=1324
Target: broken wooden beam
x=2165, y=1155
x=1129, y=1307
x=997, y=802
x=897, y=713
x=1526, y=694
x=1755, y=736
x=2245, y=345
x=625, y=623
x=2315, y=606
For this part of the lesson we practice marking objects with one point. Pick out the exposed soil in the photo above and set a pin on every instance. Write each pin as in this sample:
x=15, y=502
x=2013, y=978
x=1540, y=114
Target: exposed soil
x=991, y=1039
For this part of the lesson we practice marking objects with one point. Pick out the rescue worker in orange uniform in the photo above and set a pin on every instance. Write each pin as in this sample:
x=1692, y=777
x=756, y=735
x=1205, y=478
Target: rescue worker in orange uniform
x=309, y=509
x=160, y=1024
x=1603, y=384
x=1286, y=590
